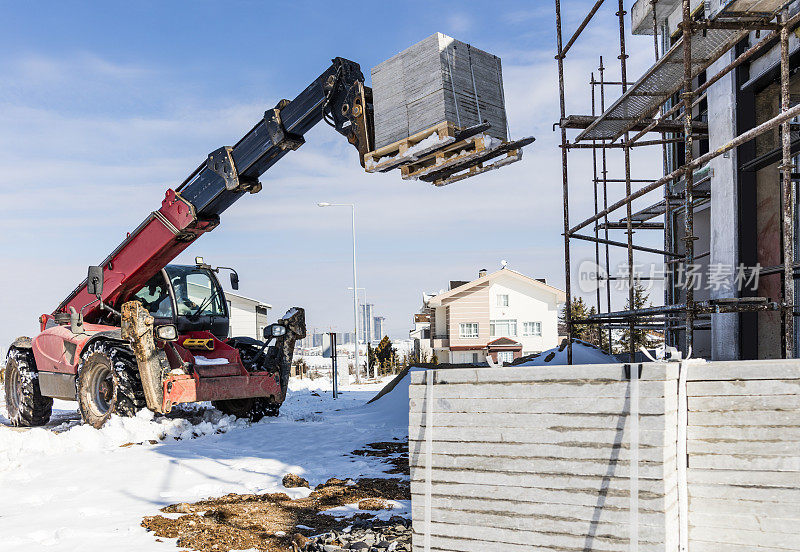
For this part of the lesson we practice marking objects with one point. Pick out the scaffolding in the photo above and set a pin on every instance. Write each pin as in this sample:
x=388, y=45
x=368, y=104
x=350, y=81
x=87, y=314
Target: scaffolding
x=662, y=102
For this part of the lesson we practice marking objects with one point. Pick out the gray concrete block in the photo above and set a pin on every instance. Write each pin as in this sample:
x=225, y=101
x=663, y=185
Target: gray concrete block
x=526, y=486
x=543, y=390
x=531, y=422
x=561, y=435
x=652, y=371
x=745, y=418
x=744, y=388
x=650, y=470
x=573, y=451
x=745, y=370
x=603, y=405
x=555, y=540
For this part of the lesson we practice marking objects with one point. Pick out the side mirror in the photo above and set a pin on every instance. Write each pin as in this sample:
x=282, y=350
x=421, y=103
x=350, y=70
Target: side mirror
x=274, y=330
x=94, y=281
x=234, y=280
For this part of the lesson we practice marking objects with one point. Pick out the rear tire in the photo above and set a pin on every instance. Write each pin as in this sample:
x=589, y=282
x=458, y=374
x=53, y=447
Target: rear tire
x=252, y=409
x=108, y=382
x=25, y=403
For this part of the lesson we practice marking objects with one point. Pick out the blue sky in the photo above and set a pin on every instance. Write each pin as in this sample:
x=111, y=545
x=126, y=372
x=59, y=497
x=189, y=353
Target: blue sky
x=103, y=106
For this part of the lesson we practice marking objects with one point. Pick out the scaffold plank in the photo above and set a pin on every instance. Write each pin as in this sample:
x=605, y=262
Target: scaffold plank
x=660, y=82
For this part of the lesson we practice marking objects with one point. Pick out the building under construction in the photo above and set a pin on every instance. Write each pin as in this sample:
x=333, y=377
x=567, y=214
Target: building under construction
x=719, y=105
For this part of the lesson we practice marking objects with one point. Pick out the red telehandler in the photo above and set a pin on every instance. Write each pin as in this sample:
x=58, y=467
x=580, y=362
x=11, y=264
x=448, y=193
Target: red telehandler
x=139, y=332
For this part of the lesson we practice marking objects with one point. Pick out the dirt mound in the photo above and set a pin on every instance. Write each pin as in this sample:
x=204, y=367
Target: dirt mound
x=291, y=481
x=269, y=522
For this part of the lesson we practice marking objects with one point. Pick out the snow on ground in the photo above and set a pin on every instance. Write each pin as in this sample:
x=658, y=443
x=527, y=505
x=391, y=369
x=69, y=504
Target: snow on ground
x=398, y=508
x=81, y=489
x=582, y=353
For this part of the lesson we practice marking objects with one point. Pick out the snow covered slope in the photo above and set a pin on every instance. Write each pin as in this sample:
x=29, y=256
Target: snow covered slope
x=84, y=489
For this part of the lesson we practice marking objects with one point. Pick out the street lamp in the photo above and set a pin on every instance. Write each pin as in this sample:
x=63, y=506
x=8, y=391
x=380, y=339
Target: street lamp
x=355, y=281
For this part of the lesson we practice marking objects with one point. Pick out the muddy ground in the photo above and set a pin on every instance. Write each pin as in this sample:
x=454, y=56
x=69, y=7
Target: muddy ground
x=274, y=522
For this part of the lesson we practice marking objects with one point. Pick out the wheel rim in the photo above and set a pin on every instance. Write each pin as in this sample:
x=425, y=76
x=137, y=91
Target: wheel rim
x=16, y=383
x=101, y=388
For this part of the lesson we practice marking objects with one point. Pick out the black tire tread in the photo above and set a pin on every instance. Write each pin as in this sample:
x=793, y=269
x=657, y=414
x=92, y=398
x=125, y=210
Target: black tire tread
x=34, y=408
x=130, y=394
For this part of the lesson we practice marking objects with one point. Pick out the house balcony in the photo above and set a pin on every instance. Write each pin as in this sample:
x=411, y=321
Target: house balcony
x=440, y=342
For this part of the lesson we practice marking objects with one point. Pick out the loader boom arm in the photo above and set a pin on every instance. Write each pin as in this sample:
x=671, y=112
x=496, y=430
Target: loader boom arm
x=338, y=96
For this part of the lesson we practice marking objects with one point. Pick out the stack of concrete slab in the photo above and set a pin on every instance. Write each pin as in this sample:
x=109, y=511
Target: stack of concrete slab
x=538, y=458
x=744, y=456
x=438, y=79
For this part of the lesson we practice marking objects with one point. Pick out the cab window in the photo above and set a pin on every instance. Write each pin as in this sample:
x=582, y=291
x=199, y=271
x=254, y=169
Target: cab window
x=195, y=292
x=154, y=296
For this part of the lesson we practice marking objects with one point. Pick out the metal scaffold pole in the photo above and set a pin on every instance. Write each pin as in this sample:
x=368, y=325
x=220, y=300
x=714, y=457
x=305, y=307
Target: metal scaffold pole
x=688, y=175
x=605, y=203
x=788, y=199
x=623, y=63
x=565, y=181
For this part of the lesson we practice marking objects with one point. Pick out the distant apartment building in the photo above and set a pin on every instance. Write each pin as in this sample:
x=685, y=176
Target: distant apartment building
x=248, y=317
x=379, y=329
x=502, y=315
x=366, y=327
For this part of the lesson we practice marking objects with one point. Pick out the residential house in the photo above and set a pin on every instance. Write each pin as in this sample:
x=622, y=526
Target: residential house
x=248, y=317
x=503, y=315
x=421, y=336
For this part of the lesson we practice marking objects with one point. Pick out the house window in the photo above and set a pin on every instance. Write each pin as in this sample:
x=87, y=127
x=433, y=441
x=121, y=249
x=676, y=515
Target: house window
x=503, y=328
x=532, y=328
x=502, y=300
x=475, y=358
x=468, y=329
x=505, y=356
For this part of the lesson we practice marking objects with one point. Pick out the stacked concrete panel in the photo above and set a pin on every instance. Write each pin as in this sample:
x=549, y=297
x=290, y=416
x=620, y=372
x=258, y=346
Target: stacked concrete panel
x=538, y=459
x=438, y=79
x=744, y=456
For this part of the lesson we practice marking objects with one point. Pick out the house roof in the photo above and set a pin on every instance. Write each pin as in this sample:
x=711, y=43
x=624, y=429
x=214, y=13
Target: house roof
x=503, y=342
x=436, y=301
x=249, y=299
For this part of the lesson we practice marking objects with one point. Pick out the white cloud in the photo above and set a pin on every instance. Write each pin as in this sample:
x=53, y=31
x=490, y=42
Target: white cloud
x=458, y=22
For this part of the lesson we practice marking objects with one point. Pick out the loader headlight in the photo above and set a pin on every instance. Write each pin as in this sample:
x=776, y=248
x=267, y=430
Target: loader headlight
x=167, y=332
x=274, y=330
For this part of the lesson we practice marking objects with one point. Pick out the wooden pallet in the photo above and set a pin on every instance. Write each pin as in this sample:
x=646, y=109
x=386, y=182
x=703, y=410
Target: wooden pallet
x=397, y=154
x=454, y=154
x=509, y=157
x=488, y=159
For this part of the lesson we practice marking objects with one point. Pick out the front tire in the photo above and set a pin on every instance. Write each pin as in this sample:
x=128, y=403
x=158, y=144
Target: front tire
x=25, y=403
x=108, y=383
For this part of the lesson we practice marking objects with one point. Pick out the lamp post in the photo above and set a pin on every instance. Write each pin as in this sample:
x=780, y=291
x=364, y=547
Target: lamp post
x=355, y=281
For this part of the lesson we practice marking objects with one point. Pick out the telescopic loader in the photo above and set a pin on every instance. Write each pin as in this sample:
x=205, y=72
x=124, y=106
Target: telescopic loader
x=140, y=332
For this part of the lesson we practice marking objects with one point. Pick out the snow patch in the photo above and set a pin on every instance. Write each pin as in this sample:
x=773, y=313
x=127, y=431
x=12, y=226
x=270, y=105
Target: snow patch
x=118, y=431
x=398, y=508
x=203, y=361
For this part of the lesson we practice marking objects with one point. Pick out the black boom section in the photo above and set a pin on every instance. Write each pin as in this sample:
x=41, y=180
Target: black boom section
x=212, y=188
